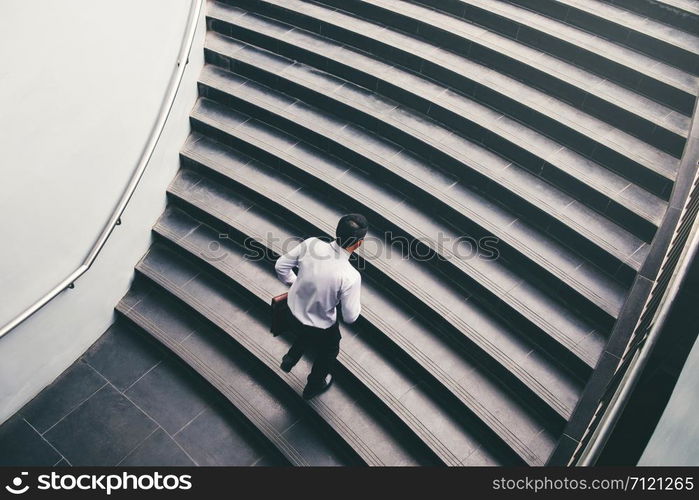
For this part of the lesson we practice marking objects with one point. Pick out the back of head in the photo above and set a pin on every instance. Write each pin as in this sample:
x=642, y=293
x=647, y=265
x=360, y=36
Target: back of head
x=350, y=229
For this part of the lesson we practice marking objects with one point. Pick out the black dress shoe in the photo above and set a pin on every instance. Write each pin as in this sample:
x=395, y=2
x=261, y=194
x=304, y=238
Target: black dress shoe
x=286, y=365
x=312, y=391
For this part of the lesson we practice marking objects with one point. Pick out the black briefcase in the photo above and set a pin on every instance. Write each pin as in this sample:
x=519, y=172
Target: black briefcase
x=280, y=314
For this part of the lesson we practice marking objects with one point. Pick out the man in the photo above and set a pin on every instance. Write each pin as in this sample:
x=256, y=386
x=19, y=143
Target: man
x=325, y=280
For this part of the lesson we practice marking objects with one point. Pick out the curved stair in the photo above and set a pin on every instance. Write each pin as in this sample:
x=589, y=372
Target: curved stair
x=515, y=159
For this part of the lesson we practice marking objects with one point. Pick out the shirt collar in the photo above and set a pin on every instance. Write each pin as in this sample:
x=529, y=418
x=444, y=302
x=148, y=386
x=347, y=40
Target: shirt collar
x=339, y=250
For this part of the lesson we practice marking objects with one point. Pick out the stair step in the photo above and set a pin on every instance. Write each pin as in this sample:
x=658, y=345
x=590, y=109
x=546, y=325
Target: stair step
x=640, y=152
x=208, y=296
x=607, y=294
x=575, y=128
x=457, y=371
x=354, y=419
x=682, y=14
x=655, y=79
x=515, y=159
x=491, y=277
x=310, y=203
x=482, y=332
x=274, y=414
x=623, y=202
x=595, y=286
x=432, y=140
x=620, y=26
x=496, y=39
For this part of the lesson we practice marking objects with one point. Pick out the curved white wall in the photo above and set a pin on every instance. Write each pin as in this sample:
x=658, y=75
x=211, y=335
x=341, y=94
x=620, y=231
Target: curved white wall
x=81, y=84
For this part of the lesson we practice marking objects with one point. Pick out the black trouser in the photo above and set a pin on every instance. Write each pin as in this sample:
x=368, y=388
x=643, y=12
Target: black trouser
x=325, y=342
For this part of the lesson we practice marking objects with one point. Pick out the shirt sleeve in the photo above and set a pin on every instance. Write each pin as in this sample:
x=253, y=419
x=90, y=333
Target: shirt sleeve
x=349, y=298
x=286, y=263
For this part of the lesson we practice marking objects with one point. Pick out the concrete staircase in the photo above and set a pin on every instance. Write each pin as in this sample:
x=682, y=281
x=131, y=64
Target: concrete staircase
x=548, y=132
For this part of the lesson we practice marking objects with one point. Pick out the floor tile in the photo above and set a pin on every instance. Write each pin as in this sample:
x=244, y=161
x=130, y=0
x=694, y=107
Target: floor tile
x=23, y=446
x=69, y=390
x=170, y=395
x=102, y=431
x=122, y=355
x=216, y=438
x=157, y=450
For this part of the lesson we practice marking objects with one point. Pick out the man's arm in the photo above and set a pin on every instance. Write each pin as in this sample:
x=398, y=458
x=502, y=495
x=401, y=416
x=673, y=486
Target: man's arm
x=286, y=263
x=349, y=298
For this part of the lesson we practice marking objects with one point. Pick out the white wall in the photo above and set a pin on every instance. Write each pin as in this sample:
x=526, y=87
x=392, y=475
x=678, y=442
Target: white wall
x=81, y=84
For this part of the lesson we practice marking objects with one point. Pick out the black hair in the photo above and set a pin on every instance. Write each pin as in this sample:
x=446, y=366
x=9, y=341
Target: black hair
x=350, y=229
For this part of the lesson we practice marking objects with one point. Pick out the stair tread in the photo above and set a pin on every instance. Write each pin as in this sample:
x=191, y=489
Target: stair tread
x=502, y=344
x=683, y=83
x=514, y=159
x=609, y=91
x=263, y=176
x=635, y=198
x=273, y=414
x=245, y=321
x=451, y=441
x=586, y=41
x=458, y=373
x=687, y=6
x=497, y=278
x=519, y=51
x=626, y=244
x=499, y=82
x=447, y=188
x=492, y=164
x=636, y=22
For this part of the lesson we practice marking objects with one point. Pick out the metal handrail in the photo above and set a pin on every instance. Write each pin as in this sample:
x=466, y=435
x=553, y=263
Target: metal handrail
x=638, y=313
x=641, y=355
x=115, y=219
x=673, y=252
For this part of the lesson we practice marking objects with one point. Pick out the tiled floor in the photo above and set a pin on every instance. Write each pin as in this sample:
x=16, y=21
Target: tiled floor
x=126, y=402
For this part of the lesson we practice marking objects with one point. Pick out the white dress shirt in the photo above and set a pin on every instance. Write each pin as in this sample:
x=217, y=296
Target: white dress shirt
x=325, y=279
